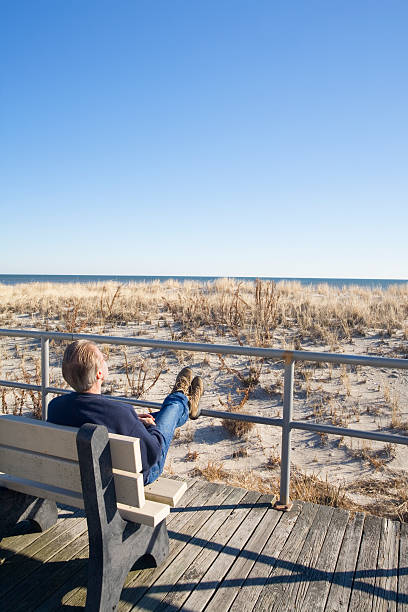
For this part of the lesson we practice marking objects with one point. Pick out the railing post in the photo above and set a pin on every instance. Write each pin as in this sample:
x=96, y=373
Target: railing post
x=45, y=375
x=284, y=502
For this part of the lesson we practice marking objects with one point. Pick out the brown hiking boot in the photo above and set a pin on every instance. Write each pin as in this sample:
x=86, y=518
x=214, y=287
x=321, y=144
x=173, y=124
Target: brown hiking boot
x=183, y=381
x=196, y=391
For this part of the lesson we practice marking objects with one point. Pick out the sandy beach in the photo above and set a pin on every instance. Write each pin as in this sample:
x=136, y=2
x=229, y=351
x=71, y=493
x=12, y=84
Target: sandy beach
x=341, y=471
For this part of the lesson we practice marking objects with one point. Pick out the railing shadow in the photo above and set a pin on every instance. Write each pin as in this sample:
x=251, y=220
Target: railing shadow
x=220, y=507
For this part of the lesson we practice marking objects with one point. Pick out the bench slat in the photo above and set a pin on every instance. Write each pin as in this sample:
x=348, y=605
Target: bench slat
x=62, y=473
x=166, y=491
x=39, y=436
x=129, y=488
x=29, y=487
x=60, y=441
x=125, y=453
x=40, y=468
x=151, y=514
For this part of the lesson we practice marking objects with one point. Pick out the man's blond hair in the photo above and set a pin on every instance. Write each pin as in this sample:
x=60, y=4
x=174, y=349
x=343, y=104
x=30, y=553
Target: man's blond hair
x=80, y=365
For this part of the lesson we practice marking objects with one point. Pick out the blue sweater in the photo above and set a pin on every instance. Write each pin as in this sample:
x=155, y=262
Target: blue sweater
x=76, y=409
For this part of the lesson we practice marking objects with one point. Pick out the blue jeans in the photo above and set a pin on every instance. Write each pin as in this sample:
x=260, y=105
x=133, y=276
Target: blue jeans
x=173, y=413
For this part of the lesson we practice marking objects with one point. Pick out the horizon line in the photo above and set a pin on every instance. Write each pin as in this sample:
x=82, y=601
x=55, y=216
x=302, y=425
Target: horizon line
x=208, y=276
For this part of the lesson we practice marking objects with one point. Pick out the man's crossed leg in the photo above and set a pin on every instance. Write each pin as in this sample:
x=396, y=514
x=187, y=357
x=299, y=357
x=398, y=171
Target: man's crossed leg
x=181, y=404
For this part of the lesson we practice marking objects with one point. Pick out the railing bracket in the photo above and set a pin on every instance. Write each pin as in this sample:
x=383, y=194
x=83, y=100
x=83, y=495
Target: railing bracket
x=283, y=507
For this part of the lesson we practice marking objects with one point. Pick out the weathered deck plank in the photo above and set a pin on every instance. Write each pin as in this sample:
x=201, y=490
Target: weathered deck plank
x=321, y=572
x=239, y=535
x=364, y=579
x=229, y=551
x=181, y=532
x=47, y=578
x=75, y=579
x=340, y=589
x=248, y=556
x=30, y=559
x=284, y=571
x=21, y=538
x=403, y=570
x=257, y=577
x=199, y=553
x=291, y=598
x=386, y=579
x=13, y=544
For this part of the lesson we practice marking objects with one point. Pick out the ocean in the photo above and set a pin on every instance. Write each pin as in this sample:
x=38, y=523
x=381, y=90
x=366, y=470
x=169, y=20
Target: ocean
x=14, y=279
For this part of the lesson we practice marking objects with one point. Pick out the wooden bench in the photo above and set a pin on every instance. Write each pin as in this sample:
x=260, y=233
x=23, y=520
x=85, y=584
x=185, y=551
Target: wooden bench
x=42, y=463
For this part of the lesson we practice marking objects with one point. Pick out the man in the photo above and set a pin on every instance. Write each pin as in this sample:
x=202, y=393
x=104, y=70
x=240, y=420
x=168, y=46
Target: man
x=85, y=369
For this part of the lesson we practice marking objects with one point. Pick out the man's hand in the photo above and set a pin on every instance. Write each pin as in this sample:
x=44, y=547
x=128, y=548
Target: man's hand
x=147, y=419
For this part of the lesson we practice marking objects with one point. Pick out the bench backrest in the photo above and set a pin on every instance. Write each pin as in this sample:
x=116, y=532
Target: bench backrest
x=41, y=459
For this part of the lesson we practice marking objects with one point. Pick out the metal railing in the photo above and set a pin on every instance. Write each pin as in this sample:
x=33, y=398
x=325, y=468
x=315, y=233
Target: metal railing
x=288, y=357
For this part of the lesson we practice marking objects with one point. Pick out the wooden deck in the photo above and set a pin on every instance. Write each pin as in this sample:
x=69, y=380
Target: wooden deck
x=229, y=551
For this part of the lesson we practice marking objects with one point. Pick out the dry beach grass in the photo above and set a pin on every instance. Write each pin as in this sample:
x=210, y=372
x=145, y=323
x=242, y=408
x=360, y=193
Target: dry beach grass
x=327, y=469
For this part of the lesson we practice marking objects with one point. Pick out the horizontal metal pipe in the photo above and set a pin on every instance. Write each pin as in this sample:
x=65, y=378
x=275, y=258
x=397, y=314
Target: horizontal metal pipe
x=58, y=391
x=218, y=414
x=136, y=402
x=218, y=349
x=352, y=433
x=238, y=416
x=17, y=385
x=115, y=398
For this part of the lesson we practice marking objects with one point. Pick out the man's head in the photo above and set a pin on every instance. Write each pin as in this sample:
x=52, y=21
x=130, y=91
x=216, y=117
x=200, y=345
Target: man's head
x=84, y=367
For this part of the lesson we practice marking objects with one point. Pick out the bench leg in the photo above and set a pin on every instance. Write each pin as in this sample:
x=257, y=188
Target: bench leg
x=107, y=572
x=16, y=507
x=114, y=544
x=155, y=543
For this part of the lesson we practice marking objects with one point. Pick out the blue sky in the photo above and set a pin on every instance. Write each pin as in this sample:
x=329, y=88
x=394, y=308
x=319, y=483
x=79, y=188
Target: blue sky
x=204, y=137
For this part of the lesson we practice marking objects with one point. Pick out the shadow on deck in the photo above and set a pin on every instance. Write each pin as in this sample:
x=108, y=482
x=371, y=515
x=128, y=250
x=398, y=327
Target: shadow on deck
x=229, y=551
